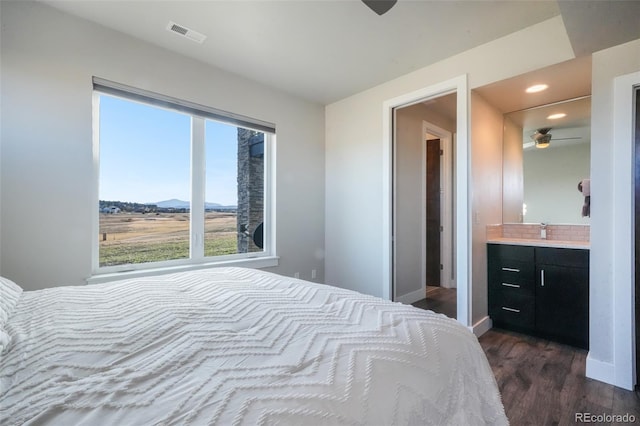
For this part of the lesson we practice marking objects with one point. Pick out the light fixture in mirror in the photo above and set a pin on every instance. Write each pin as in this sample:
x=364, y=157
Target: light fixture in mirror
x=542, y=137
x=557, y=116
x=543, y=143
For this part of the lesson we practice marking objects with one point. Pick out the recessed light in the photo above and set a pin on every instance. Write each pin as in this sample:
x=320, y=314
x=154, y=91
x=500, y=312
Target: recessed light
x=537, y=88
x=556, y=116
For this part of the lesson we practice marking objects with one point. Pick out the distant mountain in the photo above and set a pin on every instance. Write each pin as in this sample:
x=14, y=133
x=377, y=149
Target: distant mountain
x=181, y=204
x=214, y=206
x=173, y=204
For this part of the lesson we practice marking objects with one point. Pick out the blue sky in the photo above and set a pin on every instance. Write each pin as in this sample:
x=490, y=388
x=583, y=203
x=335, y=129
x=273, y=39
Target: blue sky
x=145, y=155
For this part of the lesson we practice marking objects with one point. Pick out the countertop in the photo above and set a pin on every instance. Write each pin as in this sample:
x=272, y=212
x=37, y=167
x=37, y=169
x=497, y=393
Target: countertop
x=541, y=243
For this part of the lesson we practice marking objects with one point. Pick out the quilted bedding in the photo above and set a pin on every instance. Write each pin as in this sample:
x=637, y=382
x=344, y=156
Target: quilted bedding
x=233, y=346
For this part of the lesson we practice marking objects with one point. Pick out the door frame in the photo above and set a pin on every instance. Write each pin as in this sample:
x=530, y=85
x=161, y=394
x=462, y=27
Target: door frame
x=458, y=85
x=447, y=279
x=623, y=240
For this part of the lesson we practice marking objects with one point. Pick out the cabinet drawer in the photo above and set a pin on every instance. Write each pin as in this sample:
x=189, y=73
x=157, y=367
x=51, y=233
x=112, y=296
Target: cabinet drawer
x=506, y=288
x=513, y=272
x=508, y=252
x=576, y=258
x=514, y=309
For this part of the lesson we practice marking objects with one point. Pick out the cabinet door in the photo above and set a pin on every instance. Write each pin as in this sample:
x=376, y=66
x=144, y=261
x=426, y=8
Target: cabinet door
x=562, y=303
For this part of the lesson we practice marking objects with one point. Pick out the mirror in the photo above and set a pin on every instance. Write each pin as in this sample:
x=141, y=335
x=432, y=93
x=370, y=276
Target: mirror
x=544, y=179
x=540, y=185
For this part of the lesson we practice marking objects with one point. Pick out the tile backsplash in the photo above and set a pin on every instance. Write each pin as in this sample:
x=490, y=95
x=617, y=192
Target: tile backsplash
x=494, y=231
x=532, y=231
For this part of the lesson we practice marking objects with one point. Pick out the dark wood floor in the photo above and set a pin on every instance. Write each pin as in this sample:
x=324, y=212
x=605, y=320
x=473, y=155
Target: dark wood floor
x=439, y=299
x=544, y=383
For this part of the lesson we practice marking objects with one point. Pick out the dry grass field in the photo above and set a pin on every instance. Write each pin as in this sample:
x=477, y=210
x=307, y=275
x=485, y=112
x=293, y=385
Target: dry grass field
x=137, y=238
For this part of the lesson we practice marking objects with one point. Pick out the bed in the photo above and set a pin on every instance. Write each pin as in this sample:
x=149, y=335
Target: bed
x=234, y=346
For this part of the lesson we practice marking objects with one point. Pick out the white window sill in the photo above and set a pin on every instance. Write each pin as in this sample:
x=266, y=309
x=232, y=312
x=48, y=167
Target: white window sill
x=260, y=262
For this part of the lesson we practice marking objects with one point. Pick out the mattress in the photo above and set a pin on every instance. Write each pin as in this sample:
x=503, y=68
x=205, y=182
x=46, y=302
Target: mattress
x=234, y=346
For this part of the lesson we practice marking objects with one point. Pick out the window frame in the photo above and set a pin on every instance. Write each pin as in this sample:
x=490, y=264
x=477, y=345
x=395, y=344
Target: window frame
x=197, y=258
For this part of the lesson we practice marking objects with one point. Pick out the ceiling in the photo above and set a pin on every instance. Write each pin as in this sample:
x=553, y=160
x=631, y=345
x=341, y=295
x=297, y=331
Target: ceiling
x=566, y=80
x=568, y=92
x=573, y=129
x=325, y=50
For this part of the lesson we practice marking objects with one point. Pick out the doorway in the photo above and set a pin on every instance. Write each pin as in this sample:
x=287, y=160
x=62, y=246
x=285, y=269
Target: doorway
x=433, y=218
x=422, y=170
x=392, y=188
x=438, y=207
x=440, y=293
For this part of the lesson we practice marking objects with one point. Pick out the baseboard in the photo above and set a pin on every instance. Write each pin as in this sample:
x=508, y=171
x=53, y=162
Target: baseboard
x=448, y=284
x=412, y=297
x=482, y=326
x=600, y=370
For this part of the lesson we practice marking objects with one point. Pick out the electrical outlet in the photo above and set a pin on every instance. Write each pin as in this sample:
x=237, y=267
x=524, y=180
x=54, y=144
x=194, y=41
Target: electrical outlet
x=313, y=273
x=296, y=275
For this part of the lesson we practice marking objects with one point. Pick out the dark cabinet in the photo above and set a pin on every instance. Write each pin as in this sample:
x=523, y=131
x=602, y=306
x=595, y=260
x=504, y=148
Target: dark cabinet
x=540, y=290
x=562, y=294
x=512, y=285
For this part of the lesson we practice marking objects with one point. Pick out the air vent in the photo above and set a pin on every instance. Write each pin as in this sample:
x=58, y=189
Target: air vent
x=186, y=32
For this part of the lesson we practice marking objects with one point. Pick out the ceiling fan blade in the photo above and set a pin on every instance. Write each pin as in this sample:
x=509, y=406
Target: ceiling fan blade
x=380, y=6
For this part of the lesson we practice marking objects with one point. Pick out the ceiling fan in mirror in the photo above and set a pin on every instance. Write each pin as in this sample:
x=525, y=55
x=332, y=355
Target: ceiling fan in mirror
x=542, y=137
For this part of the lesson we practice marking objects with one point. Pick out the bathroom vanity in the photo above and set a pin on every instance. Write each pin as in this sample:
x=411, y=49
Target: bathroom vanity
x=540, y=287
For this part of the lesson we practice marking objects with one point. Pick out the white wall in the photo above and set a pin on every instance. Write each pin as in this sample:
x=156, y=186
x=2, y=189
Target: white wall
x=354, y=147
x=409, y=196
x=605, y=254
x=486, y=178
x=354, y=166
x=512, y=173
x=551, y=177
x=48, y=59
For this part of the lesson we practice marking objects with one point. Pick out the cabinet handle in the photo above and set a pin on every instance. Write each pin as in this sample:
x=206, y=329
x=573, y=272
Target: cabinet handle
x=541, y=277
x=511, y=285
x=511, y=269
x=517, y=311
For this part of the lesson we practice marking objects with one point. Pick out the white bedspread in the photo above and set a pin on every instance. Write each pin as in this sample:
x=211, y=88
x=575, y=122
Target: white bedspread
x=233, y=346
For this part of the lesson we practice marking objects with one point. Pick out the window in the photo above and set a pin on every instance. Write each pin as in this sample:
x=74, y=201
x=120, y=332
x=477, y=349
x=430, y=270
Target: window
x=178, y=183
